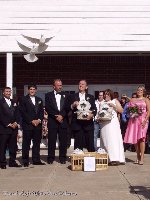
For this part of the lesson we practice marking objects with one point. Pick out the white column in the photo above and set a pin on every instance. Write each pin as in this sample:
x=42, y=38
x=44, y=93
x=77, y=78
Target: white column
x=9, y=70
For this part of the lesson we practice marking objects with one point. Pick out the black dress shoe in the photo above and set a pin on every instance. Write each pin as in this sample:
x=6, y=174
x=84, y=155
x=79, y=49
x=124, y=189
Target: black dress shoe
x=14, y=165
x=38, y=163
x=113, y=163
x=3, y=166
x=26, y=165
x=50, y=162
x=62, y=162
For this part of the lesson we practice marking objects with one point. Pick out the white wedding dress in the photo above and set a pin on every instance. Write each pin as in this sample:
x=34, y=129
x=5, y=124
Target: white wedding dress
x=111, y=138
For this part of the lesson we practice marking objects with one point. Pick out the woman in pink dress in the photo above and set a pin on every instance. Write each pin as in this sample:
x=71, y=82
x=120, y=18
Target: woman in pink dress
x=138, y=124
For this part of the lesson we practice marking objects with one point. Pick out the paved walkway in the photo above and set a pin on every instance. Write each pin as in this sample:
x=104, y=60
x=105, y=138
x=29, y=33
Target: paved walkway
x=129, y=182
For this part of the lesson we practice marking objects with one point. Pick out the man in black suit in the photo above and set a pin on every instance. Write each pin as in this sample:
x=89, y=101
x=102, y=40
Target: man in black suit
x=83, y=130
x=9, y=119
x=57, y=122
x=32, y=113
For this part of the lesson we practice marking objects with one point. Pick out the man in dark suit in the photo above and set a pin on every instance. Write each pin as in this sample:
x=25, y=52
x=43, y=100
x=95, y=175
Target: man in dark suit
x=32, y=113
x=9, y=119
x=57, y=122
x=83, y=130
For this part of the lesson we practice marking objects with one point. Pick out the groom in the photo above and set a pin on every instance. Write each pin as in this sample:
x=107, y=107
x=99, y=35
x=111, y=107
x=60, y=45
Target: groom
x=83, y=129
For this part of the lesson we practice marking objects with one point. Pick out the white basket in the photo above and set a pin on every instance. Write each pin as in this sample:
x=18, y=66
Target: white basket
x=106, y=117
x=82, y=115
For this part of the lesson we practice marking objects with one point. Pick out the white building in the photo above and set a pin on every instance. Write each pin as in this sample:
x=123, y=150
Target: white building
x=81, y=27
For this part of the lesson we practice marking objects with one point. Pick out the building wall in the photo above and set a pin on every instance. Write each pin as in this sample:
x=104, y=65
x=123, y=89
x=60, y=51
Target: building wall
x=96, y=69
x=81, y=25
x=89, y=39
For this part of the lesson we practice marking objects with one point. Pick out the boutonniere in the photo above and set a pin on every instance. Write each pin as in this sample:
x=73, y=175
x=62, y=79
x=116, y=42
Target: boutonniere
x=64, y=95
x=39, y=102
x=14, y=105
x=88, y=98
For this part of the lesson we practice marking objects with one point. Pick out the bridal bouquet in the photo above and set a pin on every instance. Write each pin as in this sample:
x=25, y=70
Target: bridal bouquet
x=105, y=113
x=83, y=109
x=134, y=110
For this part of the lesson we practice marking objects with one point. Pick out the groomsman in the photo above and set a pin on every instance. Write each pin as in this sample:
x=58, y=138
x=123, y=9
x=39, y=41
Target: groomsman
x=83, y=129
x=57, y=122
x=32, y=113
x=9, y=119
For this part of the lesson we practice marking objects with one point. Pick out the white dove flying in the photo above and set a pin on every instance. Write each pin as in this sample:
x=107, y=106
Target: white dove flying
x=30, y=57
x=40, y=41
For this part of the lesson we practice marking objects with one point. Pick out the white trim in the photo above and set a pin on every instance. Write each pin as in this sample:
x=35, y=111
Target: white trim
x=9, y=70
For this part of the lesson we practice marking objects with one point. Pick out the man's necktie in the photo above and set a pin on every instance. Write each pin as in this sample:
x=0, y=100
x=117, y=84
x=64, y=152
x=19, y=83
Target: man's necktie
x=58, y=93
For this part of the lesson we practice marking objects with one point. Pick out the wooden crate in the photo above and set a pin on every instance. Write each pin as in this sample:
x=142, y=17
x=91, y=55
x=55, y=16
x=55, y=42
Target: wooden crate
x=77, y=161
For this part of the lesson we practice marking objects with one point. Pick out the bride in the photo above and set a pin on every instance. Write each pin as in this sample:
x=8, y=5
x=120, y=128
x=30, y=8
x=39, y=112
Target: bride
x=110, y=131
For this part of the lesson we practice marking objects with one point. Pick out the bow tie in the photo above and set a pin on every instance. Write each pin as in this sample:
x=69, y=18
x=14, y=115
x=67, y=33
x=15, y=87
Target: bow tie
x=58, y=93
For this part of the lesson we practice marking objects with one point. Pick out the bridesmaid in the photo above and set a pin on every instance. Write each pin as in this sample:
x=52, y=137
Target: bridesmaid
x=137, y=126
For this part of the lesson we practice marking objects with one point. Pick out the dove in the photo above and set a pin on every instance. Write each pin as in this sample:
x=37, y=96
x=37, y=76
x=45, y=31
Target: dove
x=40, y=41
x=42, y=46
x=30, y=57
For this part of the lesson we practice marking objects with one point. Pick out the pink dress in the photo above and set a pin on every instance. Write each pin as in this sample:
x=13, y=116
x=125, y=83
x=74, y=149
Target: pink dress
x=134, y=130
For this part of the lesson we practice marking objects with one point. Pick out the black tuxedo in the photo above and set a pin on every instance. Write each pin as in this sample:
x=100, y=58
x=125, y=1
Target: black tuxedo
x=30, y=112
x=8, y=135
x=55, y=127
x=83, y=129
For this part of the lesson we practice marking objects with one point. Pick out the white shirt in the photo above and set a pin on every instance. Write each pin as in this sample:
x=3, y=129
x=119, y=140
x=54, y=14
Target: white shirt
x=32, y=99
x=8, y=101
x=98, y=104
x=58, y=98
x=82, y=96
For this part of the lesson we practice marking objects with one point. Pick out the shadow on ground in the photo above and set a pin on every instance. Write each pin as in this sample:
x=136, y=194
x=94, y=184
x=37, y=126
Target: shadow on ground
x=141, y=191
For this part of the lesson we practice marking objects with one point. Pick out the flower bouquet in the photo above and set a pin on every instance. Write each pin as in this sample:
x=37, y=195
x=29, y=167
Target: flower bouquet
x=134, y=110
x=105, y=113
x=83, y=109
